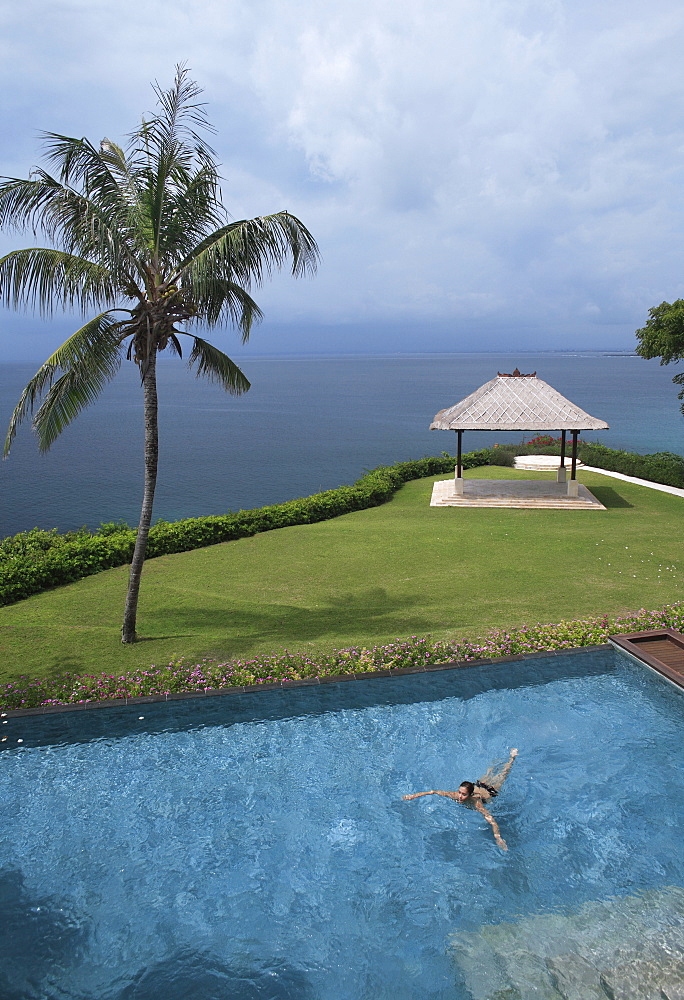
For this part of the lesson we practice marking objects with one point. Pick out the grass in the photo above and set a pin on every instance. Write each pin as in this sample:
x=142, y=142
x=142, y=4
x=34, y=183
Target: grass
x=365, y=578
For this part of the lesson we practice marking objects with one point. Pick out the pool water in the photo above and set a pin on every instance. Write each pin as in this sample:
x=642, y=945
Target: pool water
x=257, y=847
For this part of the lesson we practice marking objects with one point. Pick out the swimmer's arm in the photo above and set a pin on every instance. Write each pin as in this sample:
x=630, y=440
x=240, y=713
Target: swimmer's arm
x=417, y=795
x=494, y=825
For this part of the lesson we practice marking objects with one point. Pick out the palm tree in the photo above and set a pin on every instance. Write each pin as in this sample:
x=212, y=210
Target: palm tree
x=142, y=232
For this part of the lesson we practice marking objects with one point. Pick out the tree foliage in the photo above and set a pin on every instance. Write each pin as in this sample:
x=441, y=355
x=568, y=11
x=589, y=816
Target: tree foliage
x=139, y=233
x=663, y=337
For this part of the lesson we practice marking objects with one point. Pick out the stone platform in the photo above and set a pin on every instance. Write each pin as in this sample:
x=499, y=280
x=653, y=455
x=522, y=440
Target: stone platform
x=543, y=463
x=535, y=494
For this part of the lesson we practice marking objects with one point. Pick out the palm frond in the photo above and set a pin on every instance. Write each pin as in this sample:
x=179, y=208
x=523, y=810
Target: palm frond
x=167, y=146
x=225, y=301
x=248, y=251
x=89, y=359
x=192, y=211
x=129, y=183
x=22, y=202
x=181, y=121
x=174, y=345
x=99, y=176
x=82, y=165
x=110, y=184
x=103, y=230
x=241, y=253
x=50, y=279
x=213, y=364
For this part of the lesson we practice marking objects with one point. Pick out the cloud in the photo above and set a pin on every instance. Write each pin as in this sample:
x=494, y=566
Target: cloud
x=486, y=161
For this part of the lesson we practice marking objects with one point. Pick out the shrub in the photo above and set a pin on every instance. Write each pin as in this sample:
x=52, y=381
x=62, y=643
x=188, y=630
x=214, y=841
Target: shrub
x=503, y=456
x=662, y=467
x=113, y=528
x=544, y=441
x=72, y=558
x=37, y=560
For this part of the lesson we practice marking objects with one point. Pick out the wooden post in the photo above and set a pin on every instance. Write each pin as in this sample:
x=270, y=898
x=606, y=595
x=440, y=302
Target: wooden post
x=573, y=485
x=561, y=475
x=458, y=478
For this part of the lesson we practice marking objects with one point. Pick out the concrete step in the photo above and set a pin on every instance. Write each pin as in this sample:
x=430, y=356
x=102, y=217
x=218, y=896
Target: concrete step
x=618, y=949
x=575, y=978
x=522, y=504
x=647, y=978
x=530, y=494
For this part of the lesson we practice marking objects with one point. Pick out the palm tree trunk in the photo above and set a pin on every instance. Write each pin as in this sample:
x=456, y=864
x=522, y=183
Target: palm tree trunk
x=128, y=633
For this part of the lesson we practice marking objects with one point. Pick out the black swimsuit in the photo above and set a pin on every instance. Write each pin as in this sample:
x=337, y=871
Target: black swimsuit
x=481, y=784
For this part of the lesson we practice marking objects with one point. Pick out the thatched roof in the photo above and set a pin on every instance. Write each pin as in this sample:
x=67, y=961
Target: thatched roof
x=515, y=403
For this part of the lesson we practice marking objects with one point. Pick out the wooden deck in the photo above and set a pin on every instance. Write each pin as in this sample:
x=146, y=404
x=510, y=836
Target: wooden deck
x=662, y=649
x=535, y=494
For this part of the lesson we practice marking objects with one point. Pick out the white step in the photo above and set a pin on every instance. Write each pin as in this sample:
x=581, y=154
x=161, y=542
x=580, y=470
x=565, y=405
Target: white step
x=624, y=949
x=543, y=463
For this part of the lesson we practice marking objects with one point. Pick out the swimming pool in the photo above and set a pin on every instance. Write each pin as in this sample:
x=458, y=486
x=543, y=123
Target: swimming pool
x=255, y=847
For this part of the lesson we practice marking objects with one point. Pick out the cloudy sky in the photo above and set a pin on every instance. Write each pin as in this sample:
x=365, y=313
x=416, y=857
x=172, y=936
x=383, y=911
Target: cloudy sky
x=479, y=174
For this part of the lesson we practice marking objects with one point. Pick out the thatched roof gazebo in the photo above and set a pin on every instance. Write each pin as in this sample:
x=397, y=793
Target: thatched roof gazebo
x=517, y=402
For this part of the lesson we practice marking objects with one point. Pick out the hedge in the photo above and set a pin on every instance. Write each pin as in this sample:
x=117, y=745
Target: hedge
x=38, y=560
x=661, y=467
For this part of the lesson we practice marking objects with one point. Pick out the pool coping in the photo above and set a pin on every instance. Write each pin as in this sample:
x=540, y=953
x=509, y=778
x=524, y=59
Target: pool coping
x=149, y=699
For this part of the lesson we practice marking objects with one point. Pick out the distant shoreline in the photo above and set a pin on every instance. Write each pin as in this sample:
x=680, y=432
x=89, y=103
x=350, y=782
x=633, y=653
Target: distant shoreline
x=239, y=353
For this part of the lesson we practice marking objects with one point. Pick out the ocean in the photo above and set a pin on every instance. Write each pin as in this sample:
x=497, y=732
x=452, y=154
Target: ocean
x=307, y=424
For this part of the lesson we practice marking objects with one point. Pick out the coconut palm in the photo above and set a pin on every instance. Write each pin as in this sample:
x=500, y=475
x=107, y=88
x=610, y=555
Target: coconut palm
x=140, y=233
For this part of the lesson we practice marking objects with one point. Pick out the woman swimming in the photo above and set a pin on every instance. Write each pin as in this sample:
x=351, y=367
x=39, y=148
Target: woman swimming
x=474, y=793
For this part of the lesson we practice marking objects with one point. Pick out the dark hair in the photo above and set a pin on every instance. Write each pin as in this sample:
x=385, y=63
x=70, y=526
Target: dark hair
x=469, y=785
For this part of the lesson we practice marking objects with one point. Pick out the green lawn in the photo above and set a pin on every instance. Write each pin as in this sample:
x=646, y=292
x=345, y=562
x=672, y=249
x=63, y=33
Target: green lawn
x=364, y=579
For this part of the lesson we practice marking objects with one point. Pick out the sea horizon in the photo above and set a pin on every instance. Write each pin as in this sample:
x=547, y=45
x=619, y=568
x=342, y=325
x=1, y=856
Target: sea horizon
x=332, y=355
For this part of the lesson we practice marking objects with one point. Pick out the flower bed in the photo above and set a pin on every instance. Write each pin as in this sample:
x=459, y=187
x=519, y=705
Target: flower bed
x=179, y=677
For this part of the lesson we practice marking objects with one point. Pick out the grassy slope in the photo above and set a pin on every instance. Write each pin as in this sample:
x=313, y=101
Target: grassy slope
x=363, y=579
